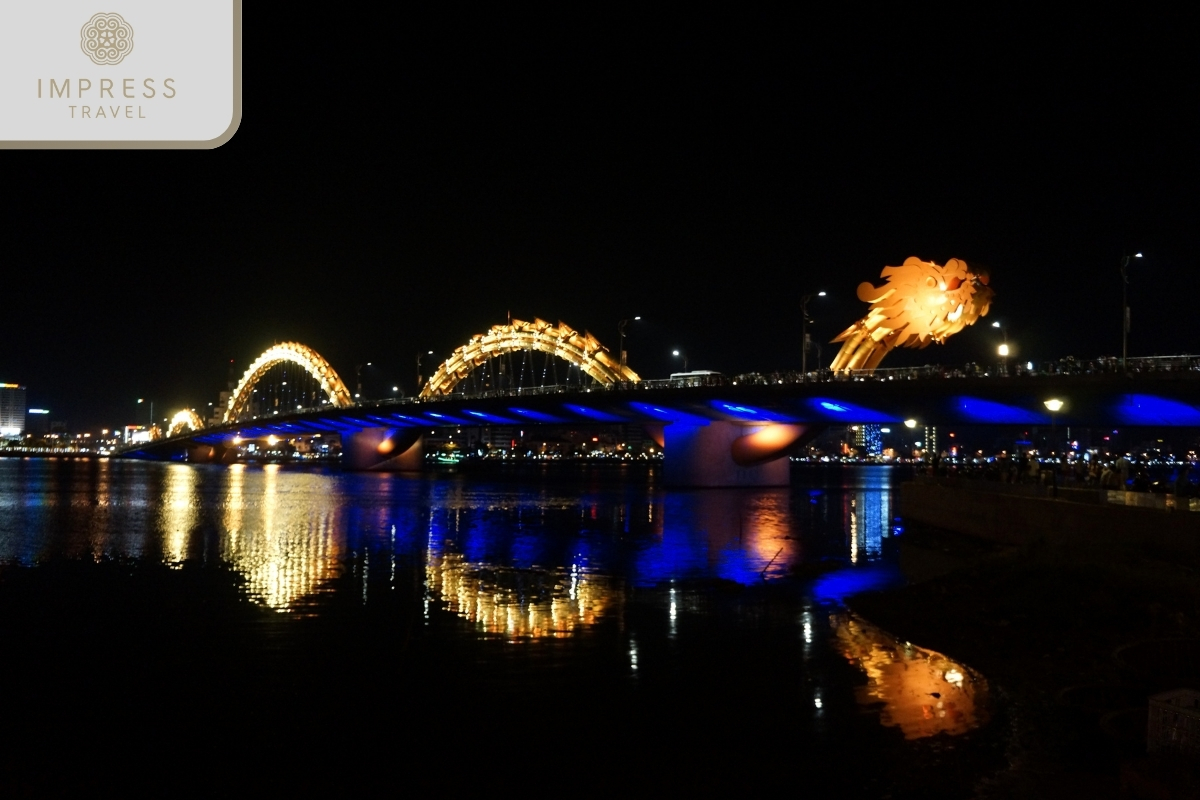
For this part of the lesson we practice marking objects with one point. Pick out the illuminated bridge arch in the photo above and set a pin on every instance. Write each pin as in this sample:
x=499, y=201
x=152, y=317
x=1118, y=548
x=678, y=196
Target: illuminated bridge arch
x=295, y=353
x=185, y=419
x=581, y=350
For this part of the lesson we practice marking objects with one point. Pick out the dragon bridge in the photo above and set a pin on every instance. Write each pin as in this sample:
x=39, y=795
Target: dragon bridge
x=295, y=353
x=579, y=349
x=920, y=302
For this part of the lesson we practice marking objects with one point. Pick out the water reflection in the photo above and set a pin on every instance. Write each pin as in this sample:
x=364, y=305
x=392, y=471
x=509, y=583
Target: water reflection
x=285, y=542
x=179, y=511
x=522, y=562
x=519, y=604
x=922, y=692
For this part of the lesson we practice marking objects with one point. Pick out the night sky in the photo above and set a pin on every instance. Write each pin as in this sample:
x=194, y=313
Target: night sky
x=399, y=184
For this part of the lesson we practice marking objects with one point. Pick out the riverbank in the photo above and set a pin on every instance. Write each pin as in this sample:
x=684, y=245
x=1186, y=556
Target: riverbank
x=1073, y=644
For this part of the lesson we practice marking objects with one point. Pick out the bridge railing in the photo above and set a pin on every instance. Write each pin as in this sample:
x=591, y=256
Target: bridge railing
x=1183, y=365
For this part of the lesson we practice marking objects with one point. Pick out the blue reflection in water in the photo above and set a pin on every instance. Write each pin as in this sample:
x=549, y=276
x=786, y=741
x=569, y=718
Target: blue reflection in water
x=530, y=554
x=835, y=587
x=304, y=523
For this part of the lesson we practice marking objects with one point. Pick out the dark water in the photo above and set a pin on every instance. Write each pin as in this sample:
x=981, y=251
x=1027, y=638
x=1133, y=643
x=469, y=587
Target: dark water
x=302, y=627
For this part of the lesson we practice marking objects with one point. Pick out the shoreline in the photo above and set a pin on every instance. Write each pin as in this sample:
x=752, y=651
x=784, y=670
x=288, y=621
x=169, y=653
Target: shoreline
x=1073, y=643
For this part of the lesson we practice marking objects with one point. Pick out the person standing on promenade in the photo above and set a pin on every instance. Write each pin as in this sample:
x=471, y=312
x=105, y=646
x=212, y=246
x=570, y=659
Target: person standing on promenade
x=1122, y=468
x=1183, y=483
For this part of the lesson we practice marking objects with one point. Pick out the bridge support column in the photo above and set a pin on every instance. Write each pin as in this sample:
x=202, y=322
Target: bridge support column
x=383, y=450
x=210, y=454
x=730, y=453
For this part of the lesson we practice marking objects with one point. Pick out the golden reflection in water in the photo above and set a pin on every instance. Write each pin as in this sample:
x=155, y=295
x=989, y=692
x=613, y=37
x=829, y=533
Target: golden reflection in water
x=767, y=530
x=289, y=547
x=923, y=693
x=554, y=604
x=757, y=525
x=179, y=512
x=98, y=534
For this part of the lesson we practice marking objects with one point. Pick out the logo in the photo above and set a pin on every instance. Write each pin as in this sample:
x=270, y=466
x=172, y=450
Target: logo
x=106, y=39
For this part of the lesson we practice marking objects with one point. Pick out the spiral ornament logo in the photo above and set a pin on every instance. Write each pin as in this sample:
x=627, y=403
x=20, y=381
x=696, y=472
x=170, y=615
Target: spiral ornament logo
x=106, y=38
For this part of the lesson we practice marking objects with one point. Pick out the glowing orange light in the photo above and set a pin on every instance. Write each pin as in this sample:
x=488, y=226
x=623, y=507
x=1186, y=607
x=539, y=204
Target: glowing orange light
x=921, y=302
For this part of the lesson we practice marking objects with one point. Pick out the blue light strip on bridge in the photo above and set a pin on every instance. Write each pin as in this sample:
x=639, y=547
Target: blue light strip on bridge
x=447, y=419
x=393, y=422
x=669, y=414
x=342, y=426
x=591, y=413
x=749, y=414
x=1147, y=409
x=976, y=409
x=536, y=416
x=844, y=411
x=491, y=418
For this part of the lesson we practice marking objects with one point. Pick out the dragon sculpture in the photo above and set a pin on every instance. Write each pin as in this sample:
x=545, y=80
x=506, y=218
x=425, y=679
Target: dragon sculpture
x=921, y=302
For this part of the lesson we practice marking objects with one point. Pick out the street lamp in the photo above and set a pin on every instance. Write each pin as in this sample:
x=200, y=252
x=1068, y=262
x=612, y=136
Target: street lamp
x=1125, y=307
x=358, y=378
x=804, y=322
x=621, y=338
x=1054, y=405
x=683, y=355
x=419, y=357
x=140, y=401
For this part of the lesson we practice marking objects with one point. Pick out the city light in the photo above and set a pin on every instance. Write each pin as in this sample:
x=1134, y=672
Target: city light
x=1054, y=404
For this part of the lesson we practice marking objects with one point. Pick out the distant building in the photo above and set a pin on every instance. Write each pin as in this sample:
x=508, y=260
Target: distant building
x=37, y=422
x=867, y=439
x=12, y=410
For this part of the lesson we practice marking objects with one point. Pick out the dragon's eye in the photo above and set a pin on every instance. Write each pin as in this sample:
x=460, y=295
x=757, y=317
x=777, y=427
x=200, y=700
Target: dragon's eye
x=953, y=283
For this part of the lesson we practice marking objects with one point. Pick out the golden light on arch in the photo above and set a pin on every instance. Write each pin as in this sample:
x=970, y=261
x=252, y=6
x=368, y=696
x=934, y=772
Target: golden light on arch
x=559, y=340
x=295, y=353
x=921, y=302
x=184, y=419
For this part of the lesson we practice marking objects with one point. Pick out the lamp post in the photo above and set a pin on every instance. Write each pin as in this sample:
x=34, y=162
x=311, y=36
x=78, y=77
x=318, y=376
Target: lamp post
x=621, y=338
x=1055, y=405
x=358, y=380
x=804, y=322
x=683, y=355
x=1125, y=307
x=1003, y=350
x=419, y=378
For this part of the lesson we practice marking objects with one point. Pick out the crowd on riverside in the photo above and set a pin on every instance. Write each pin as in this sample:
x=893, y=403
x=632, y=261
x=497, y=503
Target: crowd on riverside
x=1123, y=473
x=1102, y=365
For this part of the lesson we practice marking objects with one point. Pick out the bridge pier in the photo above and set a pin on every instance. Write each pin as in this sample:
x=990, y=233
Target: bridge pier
x=731, y=453
x=383, y=450
x=210, y=454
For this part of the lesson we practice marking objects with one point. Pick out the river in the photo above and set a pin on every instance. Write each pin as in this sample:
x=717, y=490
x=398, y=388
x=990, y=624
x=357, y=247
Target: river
x=566, y=622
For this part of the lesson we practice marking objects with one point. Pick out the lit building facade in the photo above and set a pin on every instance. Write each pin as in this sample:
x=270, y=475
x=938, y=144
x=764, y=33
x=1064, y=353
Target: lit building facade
x=12, y=410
